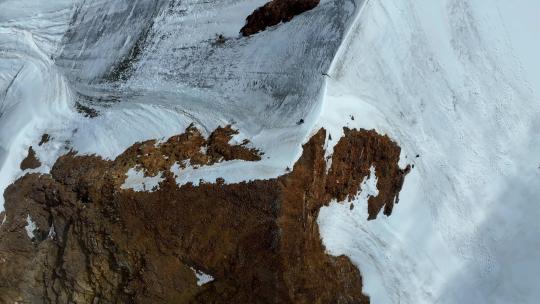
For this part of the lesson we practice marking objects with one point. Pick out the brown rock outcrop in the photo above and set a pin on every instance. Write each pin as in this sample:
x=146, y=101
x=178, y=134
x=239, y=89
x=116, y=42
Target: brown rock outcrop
x=274, y=12
x=45, y=138
x=30, y=161
x=259, y=240
x=353, y=157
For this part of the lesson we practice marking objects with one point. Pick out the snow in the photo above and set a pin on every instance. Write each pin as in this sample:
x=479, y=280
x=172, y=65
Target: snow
x=453, y=82
x=30, y=227
x=262, y=85
x=519, y=22
x=137, y=181
x=52, y=233
x=202, y=278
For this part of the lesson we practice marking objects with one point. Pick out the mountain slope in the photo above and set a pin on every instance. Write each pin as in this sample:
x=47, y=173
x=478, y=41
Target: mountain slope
x=454, y=84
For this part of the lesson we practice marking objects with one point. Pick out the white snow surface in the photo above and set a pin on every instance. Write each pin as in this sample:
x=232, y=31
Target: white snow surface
x=56, y=55
x=136, y=180
x=202, y=278
x=30, y=227
x=456, y=82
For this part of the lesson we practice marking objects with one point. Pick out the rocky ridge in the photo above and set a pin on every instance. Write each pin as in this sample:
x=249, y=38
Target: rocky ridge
x=274, y=12
x=259, y=241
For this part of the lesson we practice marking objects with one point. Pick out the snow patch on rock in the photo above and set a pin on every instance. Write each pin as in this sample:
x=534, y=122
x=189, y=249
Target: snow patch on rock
x=137, y=181
x=202, y=278
x=449, y=82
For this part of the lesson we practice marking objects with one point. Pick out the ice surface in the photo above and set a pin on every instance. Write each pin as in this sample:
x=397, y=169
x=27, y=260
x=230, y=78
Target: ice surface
x=34, y=96
x=71, y=53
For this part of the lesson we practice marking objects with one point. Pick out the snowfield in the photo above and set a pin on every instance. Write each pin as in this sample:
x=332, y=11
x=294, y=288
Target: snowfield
x=456, y=83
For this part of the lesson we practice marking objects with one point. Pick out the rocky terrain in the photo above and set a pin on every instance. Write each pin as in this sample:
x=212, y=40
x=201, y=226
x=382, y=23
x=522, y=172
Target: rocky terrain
x=77, y=236
x=30, y=161
x=274, y=12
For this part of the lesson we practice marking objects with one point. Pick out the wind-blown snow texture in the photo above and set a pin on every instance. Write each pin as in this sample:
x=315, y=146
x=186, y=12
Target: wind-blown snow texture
x=455, y=82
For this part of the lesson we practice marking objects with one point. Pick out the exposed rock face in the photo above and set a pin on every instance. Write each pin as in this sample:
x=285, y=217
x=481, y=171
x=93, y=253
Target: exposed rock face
x=188, y=148
x=259, y=240
x=45, y=138
x=30, y=161
x=353, y=157
x=274, y=12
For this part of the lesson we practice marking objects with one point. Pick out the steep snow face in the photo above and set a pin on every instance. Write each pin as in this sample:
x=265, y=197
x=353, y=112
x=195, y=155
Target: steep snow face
x=150, y=68
x=456, y=84
x=264, y=84
x=33, y=94
x=178, y=72
x=30, y=227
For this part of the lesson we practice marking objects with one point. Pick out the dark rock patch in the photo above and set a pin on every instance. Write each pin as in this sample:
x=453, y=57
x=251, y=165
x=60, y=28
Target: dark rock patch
x=45, y=138
x=274, y=12
x=30, y=161
x=86, y=111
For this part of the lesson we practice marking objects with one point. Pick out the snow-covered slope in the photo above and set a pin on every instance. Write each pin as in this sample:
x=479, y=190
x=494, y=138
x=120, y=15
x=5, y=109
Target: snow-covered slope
x=456, y=83
x=150, y=68
x=34, y=95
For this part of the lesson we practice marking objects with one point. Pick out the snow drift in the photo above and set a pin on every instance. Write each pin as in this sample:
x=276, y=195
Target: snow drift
x=454, y=83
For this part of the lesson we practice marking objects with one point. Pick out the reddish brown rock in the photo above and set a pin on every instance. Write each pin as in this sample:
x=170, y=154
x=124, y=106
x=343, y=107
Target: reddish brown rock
x=30, y=161
x=259, y=240
x=274, y=12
